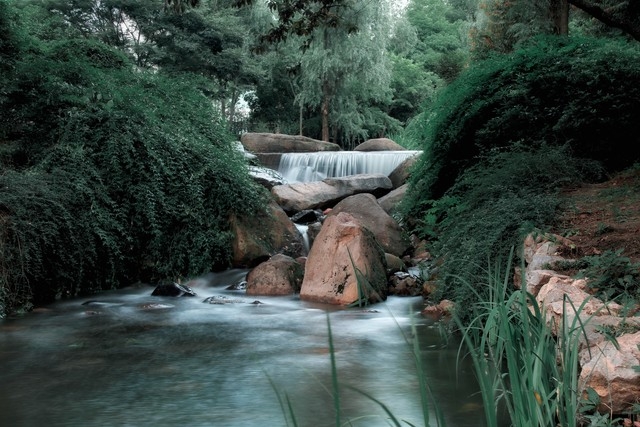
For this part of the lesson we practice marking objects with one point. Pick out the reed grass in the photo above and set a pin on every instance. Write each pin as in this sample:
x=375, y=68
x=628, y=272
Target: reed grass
x=366, y=291
x=519, y=363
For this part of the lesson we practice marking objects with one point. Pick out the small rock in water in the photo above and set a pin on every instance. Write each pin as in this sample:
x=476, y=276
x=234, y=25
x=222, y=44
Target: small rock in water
x=256, y=302
x=154, y=306
x=307, y=216
x=218, y=299
x=173, y=290
x=94, y=303
x=240, y=286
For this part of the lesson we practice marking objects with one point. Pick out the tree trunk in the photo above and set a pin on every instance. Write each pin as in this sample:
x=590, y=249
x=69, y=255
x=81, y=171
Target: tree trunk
x=326, y=93
x=300, y=119
x=560, y=16
x=223, y=106
x=235, y=95
x=326, y=99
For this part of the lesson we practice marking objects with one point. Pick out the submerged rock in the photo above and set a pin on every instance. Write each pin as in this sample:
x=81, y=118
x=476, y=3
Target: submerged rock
x=240, y=286
x=220, y=299
x=173, y=290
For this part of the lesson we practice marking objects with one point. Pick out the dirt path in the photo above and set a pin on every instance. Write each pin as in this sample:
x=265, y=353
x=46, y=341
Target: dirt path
x=604, y=216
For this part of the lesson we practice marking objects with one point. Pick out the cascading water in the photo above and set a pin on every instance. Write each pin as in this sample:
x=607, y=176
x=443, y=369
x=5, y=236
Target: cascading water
x=306, y=167
x=303, y=229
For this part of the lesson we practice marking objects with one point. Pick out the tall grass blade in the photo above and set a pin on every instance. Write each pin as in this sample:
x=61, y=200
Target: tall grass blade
x=289, y=407
x=514, y=349
x=334, y=373
x=384, y=407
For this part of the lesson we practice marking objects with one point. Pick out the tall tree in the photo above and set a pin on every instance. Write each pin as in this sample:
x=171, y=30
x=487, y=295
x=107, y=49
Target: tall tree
x=441, y=31
x=273, y=103
x=302, y=17
x=208, y=39
x=503, y=24
x=346, y=74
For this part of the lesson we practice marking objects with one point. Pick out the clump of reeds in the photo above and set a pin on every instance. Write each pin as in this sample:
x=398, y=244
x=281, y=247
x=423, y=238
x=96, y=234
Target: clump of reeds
x=521, y=366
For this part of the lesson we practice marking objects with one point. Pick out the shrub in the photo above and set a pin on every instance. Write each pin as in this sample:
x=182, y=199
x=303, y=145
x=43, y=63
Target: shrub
x=111, y=175
x=612, y=276
x=576, y=91
x=490, y=209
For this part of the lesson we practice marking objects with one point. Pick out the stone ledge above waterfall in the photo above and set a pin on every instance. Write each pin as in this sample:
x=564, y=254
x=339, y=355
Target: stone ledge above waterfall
x=328, y=192
x=281, y=143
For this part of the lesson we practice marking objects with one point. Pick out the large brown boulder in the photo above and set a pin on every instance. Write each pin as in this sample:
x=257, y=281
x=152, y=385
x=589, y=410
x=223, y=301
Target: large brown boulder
x=345, y=264
x=609, y=370
x=390, y=202
x=401, y=173
x=326, y=193
x=379, y=144
x=260, y=235
x=280, y=275
x=369, y=213
x=280, y=143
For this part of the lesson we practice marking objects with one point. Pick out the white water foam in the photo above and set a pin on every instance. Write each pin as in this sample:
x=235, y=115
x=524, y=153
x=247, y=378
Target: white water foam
x=308, y=167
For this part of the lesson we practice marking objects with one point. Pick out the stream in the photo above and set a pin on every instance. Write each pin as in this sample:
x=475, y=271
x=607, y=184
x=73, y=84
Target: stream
x=126, y=358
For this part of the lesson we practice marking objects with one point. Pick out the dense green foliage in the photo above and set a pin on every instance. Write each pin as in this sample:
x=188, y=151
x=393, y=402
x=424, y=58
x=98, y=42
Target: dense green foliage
x=110, y=175
x=612, y=276
x=580, y=92
x=506, y=135
x=491, y=207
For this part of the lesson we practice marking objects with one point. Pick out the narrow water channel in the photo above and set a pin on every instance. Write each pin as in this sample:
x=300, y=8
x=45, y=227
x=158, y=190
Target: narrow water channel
x=126, y=358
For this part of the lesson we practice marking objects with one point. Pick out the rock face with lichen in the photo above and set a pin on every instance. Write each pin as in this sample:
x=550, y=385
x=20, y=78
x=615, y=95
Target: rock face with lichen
x=281, y=143
x=261, y=235
x=369, y=213
x=326, y=193
x=345, y=264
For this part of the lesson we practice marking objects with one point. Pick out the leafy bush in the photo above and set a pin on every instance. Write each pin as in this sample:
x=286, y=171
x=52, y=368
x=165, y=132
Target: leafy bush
x=490, y=209
x=575, y=91
x=506, y=134
x=613, y=276
x=110, y=175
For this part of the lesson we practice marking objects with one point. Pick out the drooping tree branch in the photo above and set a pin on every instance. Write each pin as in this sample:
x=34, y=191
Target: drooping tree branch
x=180, y=6
x=624, y=16
x=302, y=17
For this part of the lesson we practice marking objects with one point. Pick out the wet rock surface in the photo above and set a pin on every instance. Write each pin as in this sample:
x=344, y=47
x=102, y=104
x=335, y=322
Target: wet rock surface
x=173, y=290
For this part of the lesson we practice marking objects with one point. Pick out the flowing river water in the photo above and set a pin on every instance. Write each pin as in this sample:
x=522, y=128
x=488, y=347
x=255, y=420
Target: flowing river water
x=126, y=358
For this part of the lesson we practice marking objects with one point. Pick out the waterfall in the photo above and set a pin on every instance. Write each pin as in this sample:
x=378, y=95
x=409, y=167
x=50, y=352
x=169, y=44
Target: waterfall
x=303, y=229
x=316, y=166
